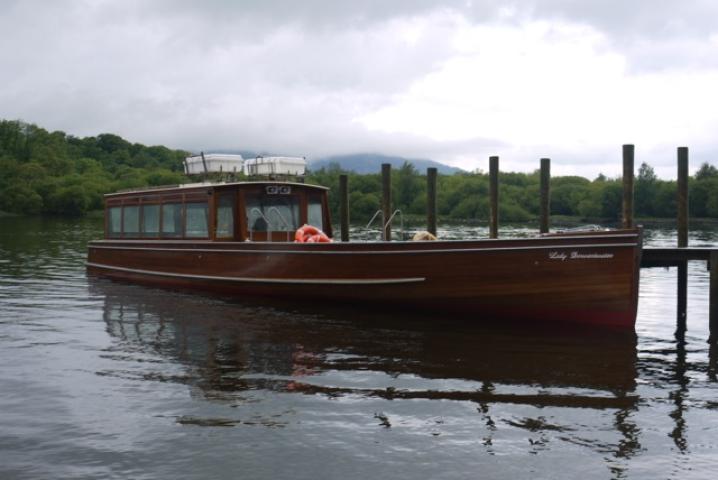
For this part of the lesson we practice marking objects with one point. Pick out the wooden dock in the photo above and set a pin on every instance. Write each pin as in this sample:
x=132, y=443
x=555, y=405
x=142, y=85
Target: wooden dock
x=674, y=257
x=679, y=257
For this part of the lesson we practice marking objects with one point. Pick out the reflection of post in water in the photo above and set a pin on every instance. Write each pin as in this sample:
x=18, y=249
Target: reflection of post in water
x=679, y=397
x=486, y=389
x=629, y=445
x=713, y=362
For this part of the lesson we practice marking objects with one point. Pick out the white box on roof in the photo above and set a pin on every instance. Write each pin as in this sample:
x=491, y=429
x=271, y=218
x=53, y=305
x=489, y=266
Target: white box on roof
x=275, y=166
x=212, y=163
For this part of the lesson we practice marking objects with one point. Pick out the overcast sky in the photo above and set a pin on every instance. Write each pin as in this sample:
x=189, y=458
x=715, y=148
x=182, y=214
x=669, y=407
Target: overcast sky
x=453, y=81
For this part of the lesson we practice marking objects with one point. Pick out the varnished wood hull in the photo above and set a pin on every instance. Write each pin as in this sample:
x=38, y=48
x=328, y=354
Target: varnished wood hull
x=589, y=278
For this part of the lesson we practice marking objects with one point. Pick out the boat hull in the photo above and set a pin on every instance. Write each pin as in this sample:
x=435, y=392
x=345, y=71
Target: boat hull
x=585, y=278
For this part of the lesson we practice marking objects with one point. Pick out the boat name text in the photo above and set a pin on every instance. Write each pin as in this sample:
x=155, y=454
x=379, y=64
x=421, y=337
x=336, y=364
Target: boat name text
x=574, y=255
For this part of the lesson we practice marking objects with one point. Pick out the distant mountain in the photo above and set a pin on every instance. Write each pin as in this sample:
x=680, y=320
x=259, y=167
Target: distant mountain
x=245, y=153
x=359, y=162
x=371, y=163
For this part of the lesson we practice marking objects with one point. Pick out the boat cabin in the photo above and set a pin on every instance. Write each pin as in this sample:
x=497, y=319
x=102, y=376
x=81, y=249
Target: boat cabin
x=258, y=211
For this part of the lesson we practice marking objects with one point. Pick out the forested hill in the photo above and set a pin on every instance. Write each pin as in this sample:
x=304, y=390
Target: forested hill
x=56, y=173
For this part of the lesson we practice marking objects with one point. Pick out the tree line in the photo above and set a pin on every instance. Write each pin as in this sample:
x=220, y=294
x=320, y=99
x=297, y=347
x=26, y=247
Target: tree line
x=56, y=173
x=463, y=196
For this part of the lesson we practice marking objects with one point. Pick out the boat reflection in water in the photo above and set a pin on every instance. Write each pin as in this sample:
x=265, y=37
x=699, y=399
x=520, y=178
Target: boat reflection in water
x=226, y=349
x=566, y=387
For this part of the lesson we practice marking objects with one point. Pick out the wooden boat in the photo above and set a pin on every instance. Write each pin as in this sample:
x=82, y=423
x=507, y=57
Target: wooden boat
x=238, y=239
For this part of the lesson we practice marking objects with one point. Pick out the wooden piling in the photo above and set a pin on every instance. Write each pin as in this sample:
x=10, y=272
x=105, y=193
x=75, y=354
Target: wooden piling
x=493, y=197
x=344, y=206
x=386, y=199
x=681, y=300
x=628, y=152
x=682, y=219
x=682, y=197
x=713, y=301
x=431, y=200
x=545, y=194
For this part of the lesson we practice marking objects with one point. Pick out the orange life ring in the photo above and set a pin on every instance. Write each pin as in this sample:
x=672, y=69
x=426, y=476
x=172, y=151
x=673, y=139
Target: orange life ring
x=319, y=238
x=310, y=234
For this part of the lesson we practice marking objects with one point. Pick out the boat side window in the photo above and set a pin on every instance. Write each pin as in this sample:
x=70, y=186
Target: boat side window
x=150, y=220
x=114, y=223
x=277, y=213
x=131, y=221
x=172, y=220
x=196, y=224
x=314, y=211
x=225, y=216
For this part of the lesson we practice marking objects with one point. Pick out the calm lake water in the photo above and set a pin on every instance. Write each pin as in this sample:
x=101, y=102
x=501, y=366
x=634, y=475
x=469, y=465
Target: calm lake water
x=109, y=380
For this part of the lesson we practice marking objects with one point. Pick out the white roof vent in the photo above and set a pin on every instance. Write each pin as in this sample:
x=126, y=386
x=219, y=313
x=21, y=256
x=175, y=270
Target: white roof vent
x=213, y=163
x=271, y=166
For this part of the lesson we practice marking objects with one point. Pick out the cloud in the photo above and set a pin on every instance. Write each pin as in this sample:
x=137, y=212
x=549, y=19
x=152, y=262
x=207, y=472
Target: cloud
x=542, y=87
x=147, y=78
x=454, y=81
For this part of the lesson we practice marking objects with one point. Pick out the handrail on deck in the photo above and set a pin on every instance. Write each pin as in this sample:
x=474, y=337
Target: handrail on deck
x=387, y=223
x=383, y=230
x=391, y=219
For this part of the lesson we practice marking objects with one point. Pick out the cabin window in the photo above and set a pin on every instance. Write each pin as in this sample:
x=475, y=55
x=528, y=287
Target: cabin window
x=196, y=220
x=131, y=221
x=225, y=217
x=278, y=213
x=150, y=220
x=172, y=220
x=314, y=212
x=114, y=222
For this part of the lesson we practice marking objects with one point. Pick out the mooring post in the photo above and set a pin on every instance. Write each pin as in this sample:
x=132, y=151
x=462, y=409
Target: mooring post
x=431, y=200
x=493, y=197
x=545, y=194
x=628, y=151
x=344, y=206
x=682, y=219
x=713, y=301
x=386, y=199
x=682, y=197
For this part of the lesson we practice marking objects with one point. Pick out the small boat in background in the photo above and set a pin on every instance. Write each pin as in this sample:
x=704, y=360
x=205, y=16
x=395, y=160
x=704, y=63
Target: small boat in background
x=238, y=238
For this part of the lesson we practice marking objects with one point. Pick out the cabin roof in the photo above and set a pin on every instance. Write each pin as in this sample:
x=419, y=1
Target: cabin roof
x=189, y=186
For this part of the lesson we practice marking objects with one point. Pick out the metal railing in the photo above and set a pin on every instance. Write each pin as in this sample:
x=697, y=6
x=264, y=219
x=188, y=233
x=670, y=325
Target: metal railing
x=385, y=224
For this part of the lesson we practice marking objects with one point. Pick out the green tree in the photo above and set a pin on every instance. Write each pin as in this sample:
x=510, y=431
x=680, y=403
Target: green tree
x=567, y=193
x=646, y=188
x=706, y=171
x=611, y=200
x=407, y=186
x=71, y=200
x=20, y=198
